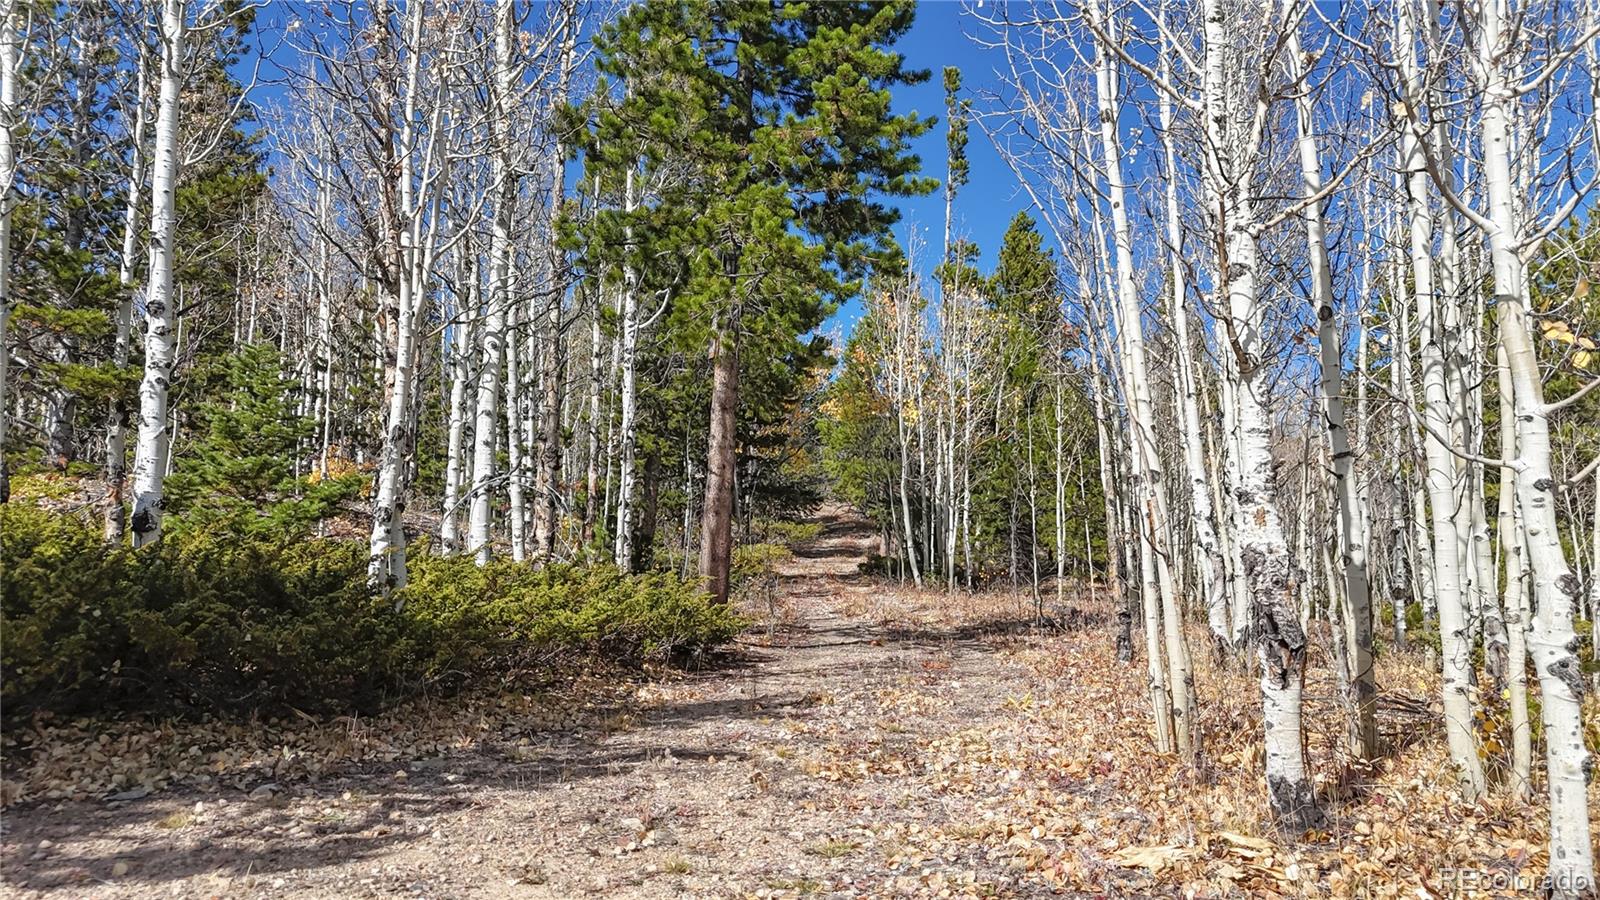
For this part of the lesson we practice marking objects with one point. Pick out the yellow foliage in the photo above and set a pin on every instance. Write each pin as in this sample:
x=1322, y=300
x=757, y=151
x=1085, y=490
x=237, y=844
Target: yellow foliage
x=1560, y=331
x=339, y=466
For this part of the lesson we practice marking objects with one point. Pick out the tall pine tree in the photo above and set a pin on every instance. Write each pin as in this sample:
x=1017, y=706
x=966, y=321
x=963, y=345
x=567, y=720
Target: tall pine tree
x=780, y=115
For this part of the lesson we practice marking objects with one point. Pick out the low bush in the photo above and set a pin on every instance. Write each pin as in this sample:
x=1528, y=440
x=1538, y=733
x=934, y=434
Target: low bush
x=205, y=622
x=754, y=562
x=790, y=534
x=510, y=608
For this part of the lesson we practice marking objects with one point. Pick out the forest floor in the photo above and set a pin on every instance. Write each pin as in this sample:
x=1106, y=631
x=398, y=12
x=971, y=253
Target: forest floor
x=868, y=740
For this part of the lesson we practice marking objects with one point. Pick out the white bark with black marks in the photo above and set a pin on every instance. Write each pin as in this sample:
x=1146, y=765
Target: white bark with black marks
x=161, y=314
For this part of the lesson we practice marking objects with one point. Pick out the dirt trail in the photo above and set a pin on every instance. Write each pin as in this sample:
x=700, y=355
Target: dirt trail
x=806, y=767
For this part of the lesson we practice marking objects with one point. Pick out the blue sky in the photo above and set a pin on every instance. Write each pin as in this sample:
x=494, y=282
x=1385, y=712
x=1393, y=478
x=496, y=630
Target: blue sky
x=985, y=205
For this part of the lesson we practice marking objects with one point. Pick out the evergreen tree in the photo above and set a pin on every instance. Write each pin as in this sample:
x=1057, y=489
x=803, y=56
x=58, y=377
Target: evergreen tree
x=244, y=468
x=780, y=114
x=63, y=226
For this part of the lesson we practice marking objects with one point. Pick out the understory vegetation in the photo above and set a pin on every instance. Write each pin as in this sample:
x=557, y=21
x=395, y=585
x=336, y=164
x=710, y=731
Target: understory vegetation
x=210, y=623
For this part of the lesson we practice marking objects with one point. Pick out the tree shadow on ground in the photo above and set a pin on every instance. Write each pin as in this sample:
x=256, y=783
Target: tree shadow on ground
x=255, y=840
x=224, y=852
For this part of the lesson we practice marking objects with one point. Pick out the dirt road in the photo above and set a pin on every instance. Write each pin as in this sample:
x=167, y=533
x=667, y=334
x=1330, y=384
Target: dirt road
x=809, y=765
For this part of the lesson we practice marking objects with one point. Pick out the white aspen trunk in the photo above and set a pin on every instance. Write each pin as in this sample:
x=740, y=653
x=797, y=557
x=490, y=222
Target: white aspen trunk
x=1594, y=565
x=1445, y=337
x=1108, y=493
x=966, y=480
x=491, y=335
x=325, y=324
x=543, y=423
x=905, y=502
x=387, y=566
x=1267, y=566
x=1400, y=436
x=546, y=448
x=591, y=478
x=1357, y=613
x=172, y=421
x=1033, y=521
x=1140, y=553
x=596, y=389
x=1150, y=481
x=115, y=515
x=612, y=378
x=1207, y=551
x=1401, y=383
x=485, y=420
x=1551, y=640
x=1264, y=553
x=1470, y=373
x=150, y=453
x=1302, y=526
x=1363, y=486
x=934, y=496
x=954, y=335
x=1223, y=502
x=1228, y=392
x=1061, y=491
x=1088, y=540
x=903, y=350
x=1442, y=468
x=1485, y=574
x=411, y=251
x=456, y=472
x=627, y=428
x=923, y=481
x=1509, y=528
x=516, y=465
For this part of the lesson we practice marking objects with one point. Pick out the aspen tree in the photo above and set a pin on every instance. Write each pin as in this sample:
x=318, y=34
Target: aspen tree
x=1442, y=464
x=904, y=355
x=628, y=343
x=1551, y=638
x=492, y=332
x=517, y=437
x=150, y=454
x=1509, y=529
x=1233, y=138
x=1150, y=480
x=457, y=470
x=115, y=514
x=1208, y=553
x=1352, y=545
x=546, y=447
x=413, y=151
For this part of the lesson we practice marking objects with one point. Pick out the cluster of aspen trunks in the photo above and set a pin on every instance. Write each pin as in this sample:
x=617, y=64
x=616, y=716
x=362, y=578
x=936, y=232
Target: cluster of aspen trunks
x=1302, y=272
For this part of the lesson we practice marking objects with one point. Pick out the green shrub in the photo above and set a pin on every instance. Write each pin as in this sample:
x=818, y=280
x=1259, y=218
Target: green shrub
x=32, y=486
x=508, y=609
x=196, y=621
x=753, y=562
x=1415, y=617
x=62, y=599
x=205, y=621
x=790, y=534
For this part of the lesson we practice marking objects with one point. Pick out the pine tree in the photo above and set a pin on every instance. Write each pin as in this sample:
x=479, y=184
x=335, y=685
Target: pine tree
x=780, y=115
x=242, y=468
